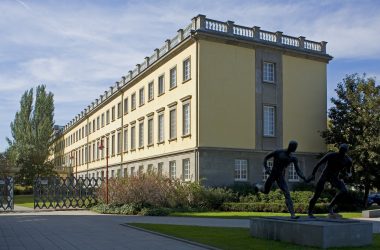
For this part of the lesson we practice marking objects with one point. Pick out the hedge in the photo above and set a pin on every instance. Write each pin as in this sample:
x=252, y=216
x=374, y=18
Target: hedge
x=275, y=207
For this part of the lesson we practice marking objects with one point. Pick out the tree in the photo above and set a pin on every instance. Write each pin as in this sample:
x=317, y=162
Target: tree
x=355, y=120
x=5, y=165
x=31, y=130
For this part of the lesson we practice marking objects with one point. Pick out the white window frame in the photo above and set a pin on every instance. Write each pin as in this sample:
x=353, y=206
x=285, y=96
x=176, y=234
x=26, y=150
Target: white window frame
x=186, y=169
x=173, y=77
x=269, y=72
x=133, y=137
x=151, y=91
x=133, y=101
x=172, y=170
x=141, y=96
x=186, y=69
x=125, y=140
x=161, y=85
x=150, y=131
x=173, y=124
x=141, y=134
x=269, y=120
x=292, y=173
x=270, y=166
x=160, y=128
x=241, y=170
x=186, y=124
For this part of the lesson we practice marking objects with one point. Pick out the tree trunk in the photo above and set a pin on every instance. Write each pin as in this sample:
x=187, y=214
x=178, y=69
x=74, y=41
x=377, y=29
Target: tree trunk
x=366, y=193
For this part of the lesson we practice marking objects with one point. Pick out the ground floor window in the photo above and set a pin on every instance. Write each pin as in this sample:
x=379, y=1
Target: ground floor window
x=292, y=174
x=241, y=170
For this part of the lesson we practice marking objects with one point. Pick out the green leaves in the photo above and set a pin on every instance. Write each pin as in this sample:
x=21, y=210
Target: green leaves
x=31, y=131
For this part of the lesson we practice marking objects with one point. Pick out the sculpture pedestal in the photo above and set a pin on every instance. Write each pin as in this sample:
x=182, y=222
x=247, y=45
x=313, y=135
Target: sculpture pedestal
x=319, y=232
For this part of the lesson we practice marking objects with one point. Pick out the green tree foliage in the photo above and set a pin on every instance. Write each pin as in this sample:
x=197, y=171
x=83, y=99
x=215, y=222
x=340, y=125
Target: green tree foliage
x=31, y=132
x=355, y=120
x=5, y=165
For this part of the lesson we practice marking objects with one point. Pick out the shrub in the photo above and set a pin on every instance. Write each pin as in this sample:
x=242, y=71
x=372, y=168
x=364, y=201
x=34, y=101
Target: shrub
x=22, y=190
x=160, y=211
x=275, y=207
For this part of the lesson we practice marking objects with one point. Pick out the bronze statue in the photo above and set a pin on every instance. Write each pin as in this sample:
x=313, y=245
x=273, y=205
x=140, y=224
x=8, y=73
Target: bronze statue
x=335, y=163
x=281, y=160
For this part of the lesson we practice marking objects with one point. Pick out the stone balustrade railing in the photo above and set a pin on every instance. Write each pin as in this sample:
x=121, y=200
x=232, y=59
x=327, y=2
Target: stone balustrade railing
x=203, y=24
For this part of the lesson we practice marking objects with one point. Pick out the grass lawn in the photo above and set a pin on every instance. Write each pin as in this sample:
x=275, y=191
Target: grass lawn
x=245, y=215
x=231, y=238
x=24, y=200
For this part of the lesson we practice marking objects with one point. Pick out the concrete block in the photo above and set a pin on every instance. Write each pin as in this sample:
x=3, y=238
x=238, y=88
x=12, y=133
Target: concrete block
x=318, y=232
x=371, y=213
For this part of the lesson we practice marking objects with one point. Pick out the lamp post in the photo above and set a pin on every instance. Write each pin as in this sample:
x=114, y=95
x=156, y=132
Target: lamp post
x=101, y=147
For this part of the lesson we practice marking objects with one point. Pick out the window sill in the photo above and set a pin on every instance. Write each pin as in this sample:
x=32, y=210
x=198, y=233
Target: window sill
x=161, y=94
x=269, y=136
x=141, y=147
x=241, y=180
x=269, y=82
x=162, y=142
x=151, y=99
x=292, y=180
x=173, y=139
x=185, y=136
x=185, y=81
x=133, y=109
x=150, y=145
x=141, y=104
x=173, y=87
x=133, y=150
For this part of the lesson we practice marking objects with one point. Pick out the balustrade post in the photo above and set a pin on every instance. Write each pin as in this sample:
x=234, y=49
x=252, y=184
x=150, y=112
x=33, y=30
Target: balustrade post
x=123, y=80
x=199, y=22
x=138, y=68
x=256, y=32
x=157, y=53
x=180, y=34
x=130, y=74
x=323, y=47
x=147, y=61
x=167, y=44
x=302, y=42
x=279, y=37
x=230, y=27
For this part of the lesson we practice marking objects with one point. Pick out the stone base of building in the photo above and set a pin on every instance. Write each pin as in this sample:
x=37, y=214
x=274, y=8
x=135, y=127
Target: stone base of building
x=318, y=232
x=375, y=213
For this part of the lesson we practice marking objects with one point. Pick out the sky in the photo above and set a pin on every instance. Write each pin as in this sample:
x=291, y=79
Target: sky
x=78, y=48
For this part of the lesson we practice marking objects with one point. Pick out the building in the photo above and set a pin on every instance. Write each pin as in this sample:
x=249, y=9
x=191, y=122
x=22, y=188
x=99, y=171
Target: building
x=208, y=105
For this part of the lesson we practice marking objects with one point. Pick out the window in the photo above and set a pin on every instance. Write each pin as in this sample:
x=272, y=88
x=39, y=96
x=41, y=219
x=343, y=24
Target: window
x=173, y=77
x=160, y=133
x=186, y=70
x=125, y=140
x=161, y=85
x=89, y=127
x=125, y=105
x=133, y=137
x=79, y=134
x=292, y=174
x=141, y=134
x=113, y=145
x=269, y=125
x=119, y=110
x=93, y=151
x=141, y=97
x=119, y=142
x=113, y=113
x=150, y=91
x=97, y=151
x=160, y=167
x=270, y=166
x=241, y=170
x=186, y=169
x=186, y=119
x=118, y=173
x=150, y=131
x=268, y=72
x=112, y=173
x=173, y=123
x=102, y=120
x=133, y=173
x=93, y=125
x=108, y=117
x=150, y=168
x=98, y=123
x=172, y=169
x=125, y=174
x=89, y=153
x=141, y=170
x=133, y=101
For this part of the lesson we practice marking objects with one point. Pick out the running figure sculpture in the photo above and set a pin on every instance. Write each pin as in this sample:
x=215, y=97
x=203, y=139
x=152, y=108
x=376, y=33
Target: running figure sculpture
x=282, y=158
x=335, y=163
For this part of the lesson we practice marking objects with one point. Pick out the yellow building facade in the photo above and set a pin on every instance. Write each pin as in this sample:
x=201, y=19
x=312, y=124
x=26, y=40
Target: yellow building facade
x=208, y=105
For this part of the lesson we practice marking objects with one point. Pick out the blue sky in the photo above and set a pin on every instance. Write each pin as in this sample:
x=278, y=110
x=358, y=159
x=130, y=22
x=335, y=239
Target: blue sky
x=80, y=48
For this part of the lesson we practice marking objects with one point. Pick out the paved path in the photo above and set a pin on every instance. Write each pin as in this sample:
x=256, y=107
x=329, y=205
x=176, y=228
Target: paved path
x=82, y=229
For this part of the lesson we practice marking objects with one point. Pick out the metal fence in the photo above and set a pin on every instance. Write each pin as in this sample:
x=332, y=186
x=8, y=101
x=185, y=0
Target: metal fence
x=6, y=193
x=70, y=192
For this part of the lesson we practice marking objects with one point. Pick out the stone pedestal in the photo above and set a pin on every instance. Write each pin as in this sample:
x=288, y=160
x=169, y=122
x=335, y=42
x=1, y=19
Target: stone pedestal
x=371, y=213
x=319, y=232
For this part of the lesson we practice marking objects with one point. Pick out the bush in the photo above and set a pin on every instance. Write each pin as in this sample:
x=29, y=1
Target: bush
x=276, y=207
x=22, y=190
x=127, y=209
x=161, y=211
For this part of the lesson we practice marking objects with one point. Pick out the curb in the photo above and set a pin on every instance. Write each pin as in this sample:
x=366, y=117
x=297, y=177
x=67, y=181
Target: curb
x=171, y=237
